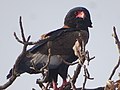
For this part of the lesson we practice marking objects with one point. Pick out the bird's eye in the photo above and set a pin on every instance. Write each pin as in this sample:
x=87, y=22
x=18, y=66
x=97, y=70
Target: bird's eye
x=75, y=13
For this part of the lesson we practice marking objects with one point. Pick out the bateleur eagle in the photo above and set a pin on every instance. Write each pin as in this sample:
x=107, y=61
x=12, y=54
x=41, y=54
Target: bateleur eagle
x=60, y=42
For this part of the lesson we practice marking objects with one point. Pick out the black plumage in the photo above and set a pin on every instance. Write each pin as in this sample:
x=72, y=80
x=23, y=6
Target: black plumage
x=61, y=44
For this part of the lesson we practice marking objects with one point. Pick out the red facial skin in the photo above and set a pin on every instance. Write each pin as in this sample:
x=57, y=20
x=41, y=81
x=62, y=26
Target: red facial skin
x=80, y=14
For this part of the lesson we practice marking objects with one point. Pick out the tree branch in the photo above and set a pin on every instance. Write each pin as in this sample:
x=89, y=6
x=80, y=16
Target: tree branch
x=22, y=30
x=81, y=54
x=115, y=68
x=87, y=76
x=25, y=42
x=7, y=84
x=118, y=45
x=117, y=41
x=67, y=63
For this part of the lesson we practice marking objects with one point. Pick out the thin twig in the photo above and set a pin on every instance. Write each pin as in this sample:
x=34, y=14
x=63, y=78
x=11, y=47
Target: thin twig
x=117, y=41
x=48, y=61
x=81, y=55
x=22, y=30
x=67, y=63
x=77, y=72
x=46, y=88
x=45, y=71
x=15, y=35
x=115, y=68
x=40, y=84
x=87, y=76
x=88, y=57
x=85, y=79
x=28, y=43
x=71, y=83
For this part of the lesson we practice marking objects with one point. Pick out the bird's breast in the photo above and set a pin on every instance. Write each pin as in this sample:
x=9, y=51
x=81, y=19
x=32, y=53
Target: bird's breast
x=64, y=44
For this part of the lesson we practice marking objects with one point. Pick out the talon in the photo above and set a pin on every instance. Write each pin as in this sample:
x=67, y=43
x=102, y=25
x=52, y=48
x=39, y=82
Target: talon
x=65, y=83
x=54, y=85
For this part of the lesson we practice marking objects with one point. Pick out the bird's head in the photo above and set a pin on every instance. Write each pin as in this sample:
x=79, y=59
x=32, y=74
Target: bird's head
x=78, y=17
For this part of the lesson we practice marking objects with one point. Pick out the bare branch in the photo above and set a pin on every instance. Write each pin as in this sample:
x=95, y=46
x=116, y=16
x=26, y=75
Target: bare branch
x=24, y=41
x=7, y=84
x=48, y=61
x=45, y=71
x=81, y=54
x=17, y=38
x=114, y=70
x=40, y=84
x=87, y=76
x=76, y=73
x=85, y=80
x=67, y=63
x=71, y=85
x=22, y=30
x=88, y=57
x=117, y=41
x=118, y=45
x=28, y=38
x=15, y=74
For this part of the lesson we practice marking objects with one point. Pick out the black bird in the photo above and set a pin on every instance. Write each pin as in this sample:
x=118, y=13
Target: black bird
x=61, y=44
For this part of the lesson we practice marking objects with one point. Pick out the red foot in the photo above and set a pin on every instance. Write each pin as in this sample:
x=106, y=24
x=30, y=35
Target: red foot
x=63, y=85
x=61, y=88
x=54, y=85
x=56, y=89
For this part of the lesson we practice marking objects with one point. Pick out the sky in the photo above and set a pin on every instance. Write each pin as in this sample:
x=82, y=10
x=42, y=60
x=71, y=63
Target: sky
x=42, y=16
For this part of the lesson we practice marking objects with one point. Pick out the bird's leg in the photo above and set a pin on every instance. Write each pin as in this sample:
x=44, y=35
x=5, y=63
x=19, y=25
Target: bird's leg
x=54, y=84
x=63, y=85
x=64, y=82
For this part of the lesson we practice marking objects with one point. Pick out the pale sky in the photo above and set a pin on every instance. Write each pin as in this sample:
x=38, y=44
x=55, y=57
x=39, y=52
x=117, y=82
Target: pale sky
x=43, y=16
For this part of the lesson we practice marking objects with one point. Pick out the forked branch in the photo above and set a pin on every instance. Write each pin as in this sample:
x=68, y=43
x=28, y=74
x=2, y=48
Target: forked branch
x=25, y=42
